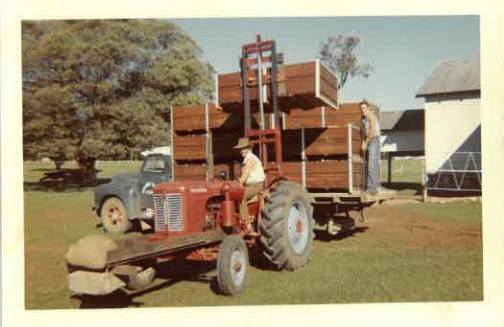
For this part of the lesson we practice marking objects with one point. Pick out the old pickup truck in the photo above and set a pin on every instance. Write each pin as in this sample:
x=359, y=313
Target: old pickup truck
x=126, y=201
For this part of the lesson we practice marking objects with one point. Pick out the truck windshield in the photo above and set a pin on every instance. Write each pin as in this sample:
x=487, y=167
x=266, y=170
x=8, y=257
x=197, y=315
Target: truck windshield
x=154, y=164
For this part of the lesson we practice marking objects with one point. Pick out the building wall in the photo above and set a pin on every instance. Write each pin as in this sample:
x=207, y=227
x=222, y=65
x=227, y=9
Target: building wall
x=449, y=121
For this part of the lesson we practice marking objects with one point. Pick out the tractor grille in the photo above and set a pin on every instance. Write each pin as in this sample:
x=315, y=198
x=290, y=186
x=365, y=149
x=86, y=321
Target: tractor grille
x=168, y=212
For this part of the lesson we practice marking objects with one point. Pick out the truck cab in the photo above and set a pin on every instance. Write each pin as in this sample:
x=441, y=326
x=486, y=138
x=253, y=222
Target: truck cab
x=127, y=199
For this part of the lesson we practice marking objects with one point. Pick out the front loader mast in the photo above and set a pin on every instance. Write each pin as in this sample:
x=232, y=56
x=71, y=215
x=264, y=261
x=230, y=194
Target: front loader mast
x=259, y=68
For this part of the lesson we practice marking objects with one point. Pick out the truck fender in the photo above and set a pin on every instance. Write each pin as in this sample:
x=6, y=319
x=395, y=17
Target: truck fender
x=129, y=197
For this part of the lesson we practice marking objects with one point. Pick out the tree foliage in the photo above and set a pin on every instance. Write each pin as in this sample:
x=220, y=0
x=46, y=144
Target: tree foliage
x=101, y=88
x=338, y=54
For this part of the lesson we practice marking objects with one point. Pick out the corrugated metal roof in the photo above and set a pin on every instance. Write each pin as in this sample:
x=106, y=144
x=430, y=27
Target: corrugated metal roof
x=412, y=119
x=452, y=77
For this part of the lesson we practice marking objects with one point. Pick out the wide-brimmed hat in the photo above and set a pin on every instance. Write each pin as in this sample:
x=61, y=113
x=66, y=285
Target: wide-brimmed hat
x=243, y=143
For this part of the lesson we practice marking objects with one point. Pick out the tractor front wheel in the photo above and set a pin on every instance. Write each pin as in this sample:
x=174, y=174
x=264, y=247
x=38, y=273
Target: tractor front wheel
x=232, y=263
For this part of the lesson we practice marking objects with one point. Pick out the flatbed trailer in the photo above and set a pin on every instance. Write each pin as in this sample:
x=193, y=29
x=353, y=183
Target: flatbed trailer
x=355, y=198
x=332, y=209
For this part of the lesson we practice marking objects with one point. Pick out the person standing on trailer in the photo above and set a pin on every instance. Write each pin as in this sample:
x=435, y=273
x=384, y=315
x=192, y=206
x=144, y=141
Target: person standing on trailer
x=252, y=174
x=371, y=145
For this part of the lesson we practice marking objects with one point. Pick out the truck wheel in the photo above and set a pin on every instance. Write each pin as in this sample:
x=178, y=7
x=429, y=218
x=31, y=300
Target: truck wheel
x=232, y=264
x=113, y=216
x=287, y=226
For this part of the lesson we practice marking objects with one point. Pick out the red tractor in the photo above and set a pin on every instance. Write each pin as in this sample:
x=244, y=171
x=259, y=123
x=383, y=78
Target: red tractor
x=201, y=220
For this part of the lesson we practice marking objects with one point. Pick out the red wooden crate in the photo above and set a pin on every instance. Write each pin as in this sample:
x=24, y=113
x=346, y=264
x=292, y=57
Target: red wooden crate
x=305, y=85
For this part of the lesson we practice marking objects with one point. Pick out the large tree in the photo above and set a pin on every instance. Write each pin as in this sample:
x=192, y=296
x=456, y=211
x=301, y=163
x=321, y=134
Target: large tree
x=338, y=54
x=101, y=88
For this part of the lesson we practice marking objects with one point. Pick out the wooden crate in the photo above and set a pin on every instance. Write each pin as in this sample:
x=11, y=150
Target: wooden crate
x=229, y=89
x=326, y=144
x=328, y=175
x=323, y=116
x=193, y=147
x=331, y=175
x=193, y=119
x=347, y=113
x=326, y=152
x=190, y=119
x=301, y=85
x=319, y=142
x=198, y=171
x=307, y=85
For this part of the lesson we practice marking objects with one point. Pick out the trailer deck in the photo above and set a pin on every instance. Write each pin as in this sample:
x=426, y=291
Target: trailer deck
x=356, y=197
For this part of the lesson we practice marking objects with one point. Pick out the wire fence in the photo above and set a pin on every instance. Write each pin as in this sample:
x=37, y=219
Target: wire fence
x=460, y=172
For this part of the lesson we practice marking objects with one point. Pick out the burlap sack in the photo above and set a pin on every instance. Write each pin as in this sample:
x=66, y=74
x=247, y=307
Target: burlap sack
x=90, y=251
x=93, y=283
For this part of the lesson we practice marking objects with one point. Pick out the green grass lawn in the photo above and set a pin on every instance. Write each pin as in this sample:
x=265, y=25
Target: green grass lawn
x=461, y=212
x=377, y=264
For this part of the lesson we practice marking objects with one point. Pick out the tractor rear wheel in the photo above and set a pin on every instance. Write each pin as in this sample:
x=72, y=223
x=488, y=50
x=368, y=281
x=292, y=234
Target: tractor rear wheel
x=114, y=217
x=287, y=226
x=232, y=263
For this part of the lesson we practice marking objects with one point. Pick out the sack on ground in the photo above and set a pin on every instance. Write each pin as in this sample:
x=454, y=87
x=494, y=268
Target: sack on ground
x=90, y=251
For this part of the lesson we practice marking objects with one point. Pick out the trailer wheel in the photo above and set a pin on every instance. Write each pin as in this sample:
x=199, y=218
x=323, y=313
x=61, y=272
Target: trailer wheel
x=113, y=216
x=232, y=263
x=287, y=226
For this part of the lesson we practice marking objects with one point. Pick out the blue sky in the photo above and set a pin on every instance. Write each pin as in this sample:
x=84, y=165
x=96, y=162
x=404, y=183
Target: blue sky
x=402, y=49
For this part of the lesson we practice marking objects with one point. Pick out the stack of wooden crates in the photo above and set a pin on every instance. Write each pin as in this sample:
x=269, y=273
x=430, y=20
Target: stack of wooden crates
x=320, y=140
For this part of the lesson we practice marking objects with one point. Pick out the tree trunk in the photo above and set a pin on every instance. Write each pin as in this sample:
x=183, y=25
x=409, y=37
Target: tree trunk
x=87, y=165
x=58, y=162
x=85, y=161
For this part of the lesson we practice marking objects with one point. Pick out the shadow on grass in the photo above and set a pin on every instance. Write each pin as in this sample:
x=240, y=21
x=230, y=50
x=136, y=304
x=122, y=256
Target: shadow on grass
x=118, y=299
x=171, y=272
x=323, y=236
x=404, y=186
x=42, y=169
x=259, y=261
x=61, y=186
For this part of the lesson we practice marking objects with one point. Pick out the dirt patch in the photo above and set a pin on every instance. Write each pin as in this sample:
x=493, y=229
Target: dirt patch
x=416, y=229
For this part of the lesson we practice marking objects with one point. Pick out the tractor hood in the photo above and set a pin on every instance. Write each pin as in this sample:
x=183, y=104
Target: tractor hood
x=196, y=189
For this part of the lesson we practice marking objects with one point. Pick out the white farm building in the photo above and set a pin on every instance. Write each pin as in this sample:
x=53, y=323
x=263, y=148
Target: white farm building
x=452, y=138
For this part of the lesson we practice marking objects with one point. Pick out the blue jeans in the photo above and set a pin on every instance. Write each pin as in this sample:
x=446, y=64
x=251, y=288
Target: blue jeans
x=373, y=164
